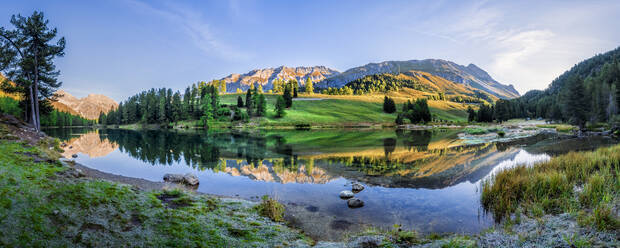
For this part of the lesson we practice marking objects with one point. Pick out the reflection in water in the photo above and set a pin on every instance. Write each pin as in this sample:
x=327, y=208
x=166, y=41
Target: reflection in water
x=423, y=180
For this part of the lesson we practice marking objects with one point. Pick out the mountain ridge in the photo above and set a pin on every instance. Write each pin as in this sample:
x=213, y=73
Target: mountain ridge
x=470, y=75
x=88, y=107
x=324, y=77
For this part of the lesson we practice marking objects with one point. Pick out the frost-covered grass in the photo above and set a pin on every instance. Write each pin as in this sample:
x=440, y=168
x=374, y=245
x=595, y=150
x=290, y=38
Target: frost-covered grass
x=43, y=204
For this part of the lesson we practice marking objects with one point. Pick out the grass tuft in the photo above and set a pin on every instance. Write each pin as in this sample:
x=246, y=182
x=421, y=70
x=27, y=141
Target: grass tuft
x=553, y=187
x=271, y=208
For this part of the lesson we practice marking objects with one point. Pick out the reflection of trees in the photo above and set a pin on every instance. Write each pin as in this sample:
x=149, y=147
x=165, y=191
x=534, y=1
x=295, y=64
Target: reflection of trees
x=163, y=147
x=414, y=139
x=389, y=145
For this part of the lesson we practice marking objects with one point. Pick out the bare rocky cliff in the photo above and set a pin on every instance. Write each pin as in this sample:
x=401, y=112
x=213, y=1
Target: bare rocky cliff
x=265, y=77
x=88, y=107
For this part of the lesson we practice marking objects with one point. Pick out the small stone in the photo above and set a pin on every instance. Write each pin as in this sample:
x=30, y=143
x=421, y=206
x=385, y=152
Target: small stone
x=356, y=187
x=190, y=179
x=173, y=178
x=70, y=147
x=346, y=194
x=79, y=173
x=63, y=144
x=355, y=203
x=74, y=156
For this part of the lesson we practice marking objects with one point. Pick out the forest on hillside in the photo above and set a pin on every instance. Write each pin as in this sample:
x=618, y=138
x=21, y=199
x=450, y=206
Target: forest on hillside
x=587, y=93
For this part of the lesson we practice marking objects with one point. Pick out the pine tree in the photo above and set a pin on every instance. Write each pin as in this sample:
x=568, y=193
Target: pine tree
x=26, y=58
x=288, y=99
x=389, y=106
x=471, y=114
x=249, y=102
x=577, y=102
x=309, y=86
x=239, y=102
x=176, y=107
x=207, y=112
x=280, y=107
x=261, y=105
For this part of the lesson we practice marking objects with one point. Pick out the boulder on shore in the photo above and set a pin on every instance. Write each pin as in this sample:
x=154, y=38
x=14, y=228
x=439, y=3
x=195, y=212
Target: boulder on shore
x=346, y=194
x=189, y=179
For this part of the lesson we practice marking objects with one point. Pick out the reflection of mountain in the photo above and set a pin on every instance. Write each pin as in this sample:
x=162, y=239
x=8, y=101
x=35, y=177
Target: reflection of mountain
x=89, y=144
x=420, y=168
x=274, y=170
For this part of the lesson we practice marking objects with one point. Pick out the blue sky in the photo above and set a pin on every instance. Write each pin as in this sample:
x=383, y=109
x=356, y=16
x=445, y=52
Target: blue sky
x=121, y=47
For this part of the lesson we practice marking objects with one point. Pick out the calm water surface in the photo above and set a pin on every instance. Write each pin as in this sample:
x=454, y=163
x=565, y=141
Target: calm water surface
x=423, y=180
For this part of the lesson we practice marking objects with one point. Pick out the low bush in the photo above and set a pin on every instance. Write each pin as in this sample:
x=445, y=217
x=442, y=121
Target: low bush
x=271, y=208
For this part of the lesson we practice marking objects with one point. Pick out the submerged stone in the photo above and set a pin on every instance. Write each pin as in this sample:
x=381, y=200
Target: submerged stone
x=356, y=187
x=346, y=194
x=190, y=179
x=355, y=203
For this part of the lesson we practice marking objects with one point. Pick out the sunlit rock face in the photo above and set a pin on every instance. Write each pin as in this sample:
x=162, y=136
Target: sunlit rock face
x=274, y=171
x=89, y=144
x=88, y=107
x=265, y=77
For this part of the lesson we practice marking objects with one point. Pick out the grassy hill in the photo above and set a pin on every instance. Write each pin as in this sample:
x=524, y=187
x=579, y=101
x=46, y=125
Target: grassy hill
x=337, y=110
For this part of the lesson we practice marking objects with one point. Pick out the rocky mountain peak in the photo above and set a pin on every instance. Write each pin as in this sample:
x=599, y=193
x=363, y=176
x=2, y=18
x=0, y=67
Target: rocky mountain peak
x=88, y=107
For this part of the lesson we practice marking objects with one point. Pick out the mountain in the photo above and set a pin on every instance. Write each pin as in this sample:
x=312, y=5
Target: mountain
x=266, y=76
x=420, y=84
x=88, y=107
x=470, y=75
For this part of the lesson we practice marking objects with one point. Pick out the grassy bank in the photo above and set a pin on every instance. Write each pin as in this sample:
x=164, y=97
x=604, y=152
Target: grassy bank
x=344, y=110
x=585, y=184
x=45, y=203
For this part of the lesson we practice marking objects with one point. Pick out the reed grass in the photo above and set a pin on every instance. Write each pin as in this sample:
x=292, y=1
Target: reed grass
x=568, y=183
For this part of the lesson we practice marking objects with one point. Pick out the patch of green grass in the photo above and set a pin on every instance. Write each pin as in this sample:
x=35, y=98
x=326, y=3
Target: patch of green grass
x=548, y=187
x=42, y=206
x=338, y=111
x=565, y=128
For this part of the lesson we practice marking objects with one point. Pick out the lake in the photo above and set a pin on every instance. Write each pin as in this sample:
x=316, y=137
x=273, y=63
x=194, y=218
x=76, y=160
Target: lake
x=419, y=179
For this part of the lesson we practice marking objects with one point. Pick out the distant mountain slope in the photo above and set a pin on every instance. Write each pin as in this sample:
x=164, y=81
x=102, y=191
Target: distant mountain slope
x=88, y=107
x=266, y=76
x=470, y=75
x=421, y=81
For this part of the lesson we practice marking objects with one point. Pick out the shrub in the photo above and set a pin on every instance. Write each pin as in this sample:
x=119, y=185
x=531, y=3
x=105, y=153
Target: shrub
x=271, y=208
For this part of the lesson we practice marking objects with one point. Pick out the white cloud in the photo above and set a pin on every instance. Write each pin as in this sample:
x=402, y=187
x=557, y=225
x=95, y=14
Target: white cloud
x=529, y=49
x=193, y=25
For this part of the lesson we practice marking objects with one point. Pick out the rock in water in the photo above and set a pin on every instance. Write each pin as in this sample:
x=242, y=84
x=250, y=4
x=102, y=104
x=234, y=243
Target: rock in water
x=173, y=178
x=190, y=179
x=346, y=194
x=356, y=188
x=74, y=156
x=355, y=203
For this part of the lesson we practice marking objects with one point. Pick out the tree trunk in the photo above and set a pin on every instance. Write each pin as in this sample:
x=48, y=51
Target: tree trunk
x=32, y=106
x=36, y=91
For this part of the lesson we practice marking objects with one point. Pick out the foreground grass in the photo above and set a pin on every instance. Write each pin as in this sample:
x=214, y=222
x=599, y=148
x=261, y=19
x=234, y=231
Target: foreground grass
x=582, y=183
x=44, y=204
